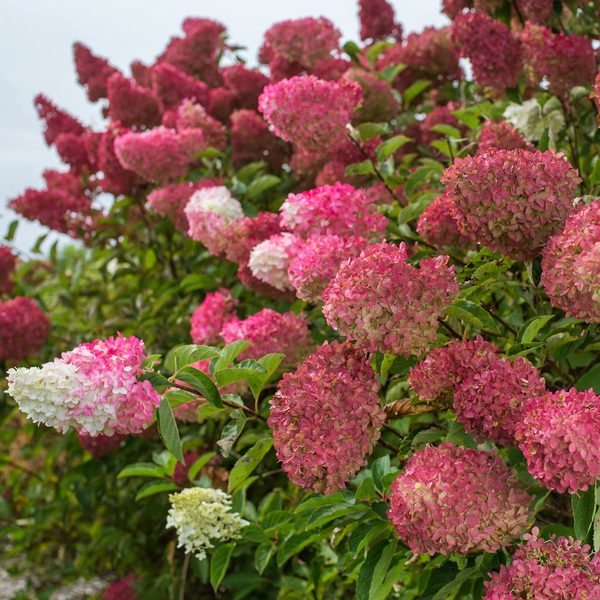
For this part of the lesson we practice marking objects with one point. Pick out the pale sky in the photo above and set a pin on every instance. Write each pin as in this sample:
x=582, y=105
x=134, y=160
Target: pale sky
x=35, y=46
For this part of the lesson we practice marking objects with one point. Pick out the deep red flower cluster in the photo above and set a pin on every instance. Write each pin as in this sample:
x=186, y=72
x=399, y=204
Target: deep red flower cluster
x=24, y=328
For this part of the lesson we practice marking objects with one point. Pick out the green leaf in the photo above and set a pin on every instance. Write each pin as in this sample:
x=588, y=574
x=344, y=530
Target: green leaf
x=231, y=432
x=362, y=168
x=155, y=487
x=262, y=556
x=241, y=372
x=544, y=142
x=158, y=381
x=584, y=508
x=365, y=533
x=247, y=463
x=377, y=48
x=531, y=328
x=390, y=146
x=198, y=464
x=230, y=353
x=218, y=564
x=590, y=380
x=262, y=184
x=149, y=259
x=447, y=130
x=368, y=131
x=450, y=590
x=294, y=545
x=12, y=229
x=366, y=490
x=472, y=314
x=201, y=383
x=184, y=355
x=167, y=427
x=142, y=470
x=414, y=209
x=416, y=88
x=270, y=363
x=373, y=571
x=178, y=397
x=380, y=468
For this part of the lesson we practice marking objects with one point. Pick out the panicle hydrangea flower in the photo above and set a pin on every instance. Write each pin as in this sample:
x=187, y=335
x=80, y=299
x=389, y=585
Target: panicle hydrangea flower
x=249, y=281
x=247, y=84
x=452, y=499
x=512, y=200
x=338, y=209
x=310, y=112
x=385, y=304
x=438, y=225
x=270, y=260
x=73, y=151
x=571, y=265
x=490, y=402
x=317, y=262
x=115, y=178
x=494, y=52
x=122, y=589
x=379, y=103
x=252, y=140
x=326, y=417
x=377, y=20
x=23, y=328
x=560, y=567
x=502, y=136
x=93, y=388
x=141, y=73
x=269, y=331
x=210, y=211
x=8, y=263
x=243, y=234
x=171, y=86
x=221, y=103
x=100, y=445
x=208, y=319
x=56, y=121
x=453, y=8
x=436, y=377
x=93, y=72
x=131, y=104
x=566, y=60
x=538, y=11
x=159, y=155
x=190, y=115
x=557, y=434
x=201, y=517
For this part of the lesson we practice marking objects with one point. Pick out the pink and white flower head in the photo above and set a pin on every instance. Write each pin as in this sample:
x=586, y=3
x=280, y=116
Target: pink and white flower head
x=438, y=225
x=317, y=262
x=160, y=155
x=326, y=417
x=338, y=209
x=244, y=234
x=271, y=332
x=310, y=112
x=512, y=201
x=24, y=328
x=271, y=259
x=93, y=388
x=452, y=499
x=560, y=567
x=210, y=211
x=385, y=304
x=571, y=265
x=557, y=434
x=208, y=319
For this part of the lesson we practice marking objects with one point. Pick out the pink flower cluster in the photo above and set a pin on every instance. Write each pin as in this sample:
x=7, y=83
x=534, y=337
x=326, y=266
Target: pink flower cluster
x=326, y=417
x=115, y=178
x=171, y=86
x=317, y=262
x=571, y=265
x=100, y=445
x=131, y=104
x=557, y=435
x=8, y=263
x=377, y=20
x=379, y=103
x=502, y=136
x=270, y=332
x=438, y=225
x=208, y=319
x=560, y=567
x=190, y=115
x=338, y=209
x=56, y=121
x=93, y=72
x=495, y=54
x=512, y=200
x=385, y=304
x=246, y=233
x=451, y=499
x=24, y=328
x=310, y=112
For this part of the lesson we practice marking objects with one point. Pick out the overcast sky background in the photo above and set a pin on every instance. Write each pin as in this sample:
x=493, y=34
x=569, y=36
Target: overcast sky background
x=36, y=57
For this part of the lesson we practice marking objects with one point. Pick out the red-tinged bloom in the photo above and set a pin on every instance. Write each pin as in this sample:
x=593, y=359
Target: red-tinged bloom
x=565, y=60
x=494, y=52
x=245, y=233
x=502, y=136
x=24, y=328
x=8, y=263
x=512, y=200
x=115, y=178
x=131, y=104
x=318, y=261
x=379, y=103
x=438, y=225
x=338, y=209
x=56, y=120
x=440, y=115
x=270, y=260
x=252, y=140
x=326, y=417
x=560, y=567
x=452, y=499
x=190, y=115
x=271, y=332
x=171, y=86
x=436, y=377
x=141, y=73
x=385, y=304
x=377, y=20
x=247, y=84
x=557, y=434
x=73, y=149
x=122, y=589
x=160, y=155
x=538, y=11
x=221, y=103
x=571, y=265
x=208, y=319
x=93, y=72
x=310, y=112
x=100, y=445
x=453, y=8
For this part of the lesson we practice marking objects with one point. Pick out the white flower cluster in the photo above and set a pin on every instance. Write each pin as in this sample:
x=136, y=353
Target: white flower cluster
x=201, y=516
x=270, y=260
x=218, y=200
